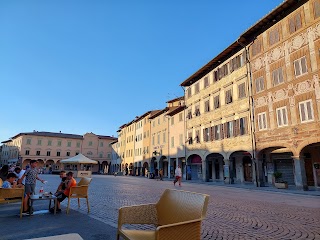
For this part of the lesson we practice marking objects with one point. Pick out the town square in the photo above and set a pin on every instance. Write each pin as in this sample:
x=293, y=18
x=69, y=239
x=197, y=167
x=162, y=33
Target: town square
x=163, y=120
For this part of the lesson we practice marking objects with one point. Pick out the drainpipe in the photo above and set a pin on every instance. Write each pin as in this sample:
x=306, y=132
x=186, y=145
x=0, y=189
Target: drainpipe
x=185, y=132
x=251, y=113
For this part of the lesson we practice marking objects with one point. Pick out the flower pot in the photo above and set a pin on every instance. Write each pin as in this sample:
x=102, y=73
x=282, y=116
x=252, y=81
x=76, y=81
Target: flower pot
x=281, y=185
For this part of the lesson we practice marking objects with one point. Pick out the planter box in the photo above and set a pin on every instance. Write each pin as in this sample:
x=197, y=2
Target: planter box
x=281, y=185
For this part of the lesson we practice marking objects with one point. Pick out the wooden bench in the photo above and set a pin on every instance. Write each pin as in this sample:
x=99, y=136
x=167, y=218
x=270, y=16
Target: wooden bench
x=8, y=195
x=177, y=215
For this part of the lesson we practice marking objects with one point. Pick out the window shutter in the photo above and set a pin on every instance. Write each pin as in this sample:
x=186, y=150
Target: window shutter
x=302, y=112
x=303, y=65
x=212, y=133
x=298, y=22
x=222, y=131
x=284, y=114
x=291, y=25
x=230, y=66
x=236, y=127
x=204, y=135
x=309, y=110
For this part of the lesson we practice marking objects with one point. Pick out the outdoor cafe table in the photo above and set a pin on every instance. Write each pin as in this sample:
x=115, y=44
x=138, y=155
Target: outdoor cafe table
x=50, y=197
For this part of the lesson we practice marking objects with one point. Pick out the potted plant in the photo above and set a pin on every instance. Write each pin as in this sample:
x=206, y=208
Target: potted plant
x=278, y=181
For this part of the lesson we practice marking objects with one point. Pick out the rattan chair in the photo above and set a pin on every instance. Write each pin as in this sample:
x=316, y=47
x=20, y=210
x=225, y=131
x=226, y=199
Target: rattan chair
x=80, y=191
x=8, y=195
x=176, y=216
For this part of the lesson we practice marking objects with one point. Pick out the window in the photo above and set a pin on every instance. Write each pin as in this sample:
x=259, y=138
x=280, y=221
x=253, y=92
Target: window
x=154, y=123
x=216, y=102
x=38, y=153
x=48, y=153
x=158, y=138
x=180, y=117
x=196, y=88
x=100, y=155
x=295, y=23
x=316, y=8
x=189, y=116
x=101, y=144
x=29, y=141
x=189, y=92
x=27, y=152
x=277, y=76
x=90, y=143
x=152, y=140
x=69, y=144
x=300, y=66
x=58, y=154
x=89, y=153
x=78, y=144
x=274, y=36
x=242, y=90
x=229, y=129
x=158, y=120
x=68, y=153
x=190, y=140
x=243, y=127
x=206, y=82
x=259, y=84
x=229, y=96
x=197, y=138
x=206, y=134
x=256, y=47
x=197, y=110
x=306, y=111
x=76, y=153
x=282, y=117
x=217, y=133
x=172, y=120
x=49, y=142
x=181, y=139
x=164, y=136
x=262, y=121
x=39, y=142
x=237, y=62
x=172, y=142
x=207, y=106
x=59, y=143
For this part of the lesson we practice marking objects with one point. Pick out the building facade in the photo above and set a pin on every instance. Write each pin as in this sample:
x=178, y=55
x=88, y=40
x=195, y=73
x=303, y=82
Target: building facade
x=49, y=148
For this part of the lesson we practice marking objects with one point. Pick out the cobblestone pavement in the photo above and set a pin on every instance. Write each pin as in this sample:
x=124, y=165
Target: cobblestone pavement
x=233, y=213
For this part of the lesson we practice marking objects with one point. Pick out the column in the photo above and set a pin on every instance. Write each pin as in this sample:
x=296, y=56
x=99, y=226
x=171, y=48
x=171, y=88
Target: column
x=300, y=176
x=260, y=173
x=226, y=171
x=169, y=164
x=204, y=170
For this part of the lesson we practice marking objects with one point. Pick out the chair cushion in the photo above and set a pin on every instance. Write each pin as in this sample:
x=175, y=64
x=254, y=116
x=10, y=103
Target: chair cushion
x=139, y=234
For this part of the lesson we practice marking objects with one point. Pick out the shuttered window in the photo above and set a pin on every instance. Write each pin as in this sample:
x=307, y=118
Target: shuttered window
x=274, y=36
x=256, y=47
x=206, y=134
x=190, y=140
x=243, y=126
x=277, y=76
x=229, y=129
x=306, y=111
x=207, y=106
x=300, y=66
x=206, y=82
x=282, y=117
x=189, y=92
x=217, y=132
x=197, y=138
x=242, y=90
x=197, y=110
x=295, y=23
x=262, y=121
x=228, y=96
x=196, y=88
x=216, y=101
x=259, y=84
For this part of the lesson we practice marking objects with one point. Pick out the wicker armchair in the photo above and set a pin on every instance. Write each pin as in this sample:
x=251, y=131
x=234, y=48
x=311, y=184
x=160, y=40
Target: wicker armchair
x=8, y=195
x=80, y=191
x=177, y=215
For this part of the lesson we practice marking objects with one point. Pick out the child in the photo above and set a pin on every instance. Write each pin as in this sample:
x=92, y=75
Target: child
x=10, y=181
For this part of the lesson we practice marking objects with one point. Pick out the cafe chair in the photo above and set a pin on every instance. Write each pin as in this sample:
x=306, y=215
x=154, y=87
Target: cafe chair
x=9, y=195
x=177, y=216
x=80, y=191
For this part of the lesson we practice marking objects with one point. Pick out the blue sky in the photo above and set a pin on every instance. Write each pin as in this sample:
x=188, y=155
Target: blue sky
x=90, y=66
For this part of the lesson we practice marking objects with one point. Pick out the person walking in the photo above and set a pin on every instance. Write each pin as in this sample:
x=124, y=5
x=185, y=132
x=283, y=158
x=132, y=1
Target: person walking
x=161, y=174
x=178, y=175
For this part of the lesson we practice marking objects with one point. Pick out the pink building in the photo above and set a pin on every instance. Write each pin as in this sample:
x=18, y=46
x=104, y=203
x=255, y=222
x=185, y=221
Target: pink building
x=49, y=148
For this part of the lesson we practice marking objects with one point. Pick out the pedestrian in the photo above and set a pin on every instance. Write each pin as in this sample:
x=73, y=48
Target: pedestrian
x=161, y=174
x=31, y=175
x=178, y=175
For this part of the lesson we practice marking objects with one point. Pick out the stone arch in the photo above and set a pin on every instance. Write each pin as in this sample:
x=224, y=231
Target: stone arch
x=194, y=167
x=305, y=143
x=214, y=167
